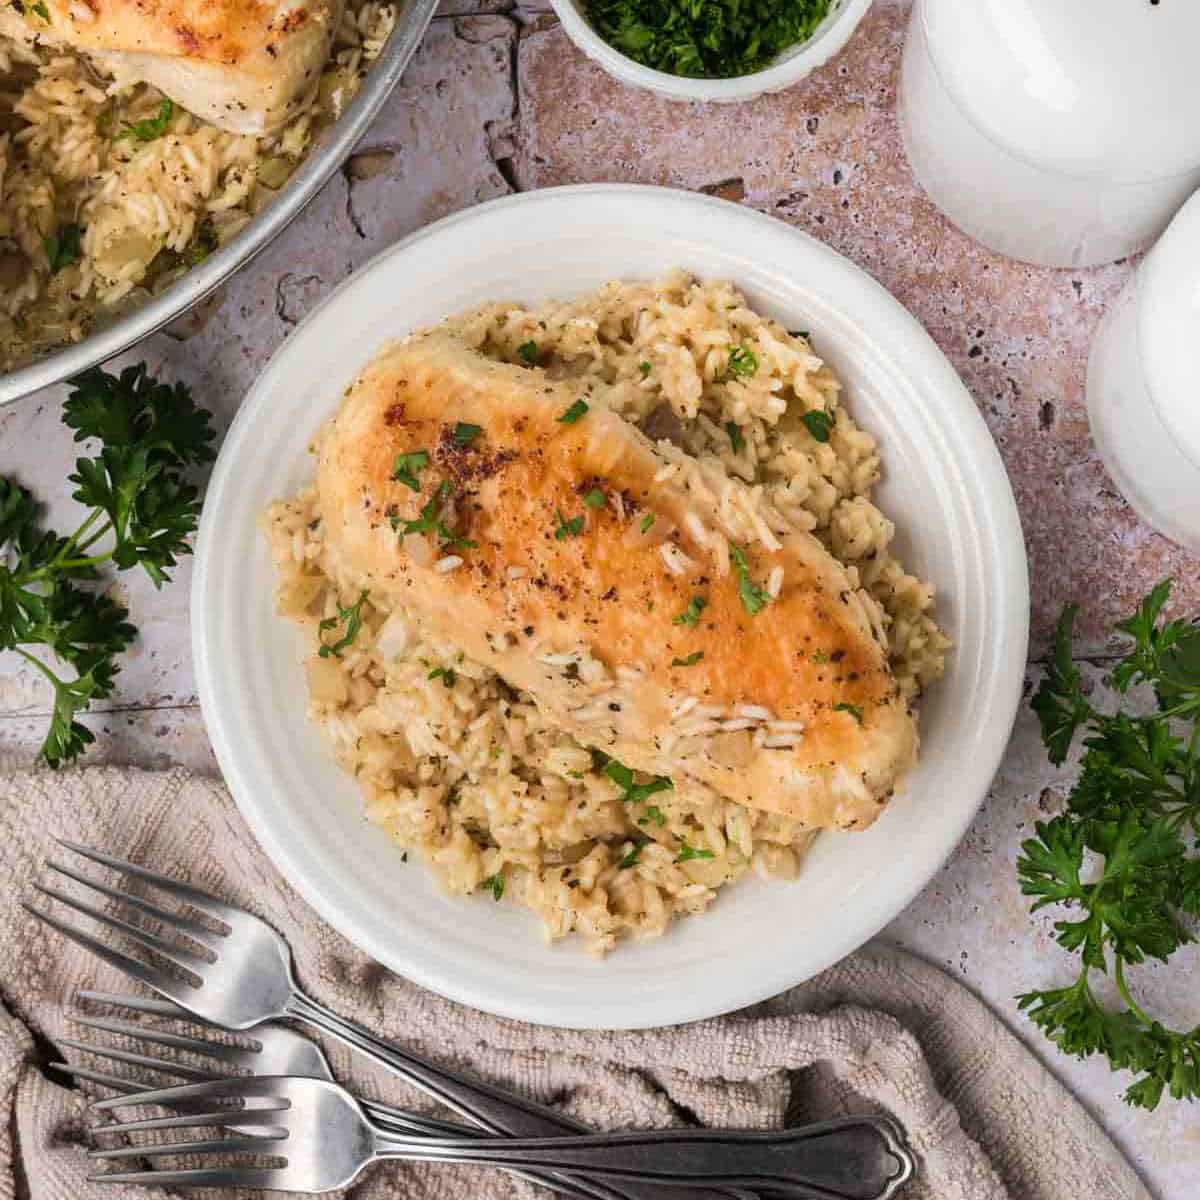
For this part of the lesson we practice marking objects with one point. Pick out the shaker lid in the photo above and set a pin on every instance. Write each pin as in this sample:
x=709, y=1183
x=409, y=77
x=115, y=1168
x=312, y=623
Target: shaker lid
x=1095, y=88
x=1169, y=326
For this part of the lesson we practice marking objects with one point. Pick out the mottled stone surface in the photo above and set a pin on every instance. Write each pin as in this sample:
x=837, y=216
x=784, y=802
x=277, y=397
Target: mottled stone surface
x=498, y=99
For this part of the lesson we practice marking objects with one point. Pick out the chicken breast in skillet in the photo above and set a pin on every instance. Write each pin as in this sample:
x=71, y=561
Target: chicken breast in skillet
x=525, y=526
x=244, y=65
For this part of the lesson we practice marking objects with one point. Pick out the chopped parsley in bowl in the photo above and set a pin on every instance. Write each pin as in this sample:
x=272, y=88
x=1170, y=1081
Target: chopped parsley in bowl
x=705, y=39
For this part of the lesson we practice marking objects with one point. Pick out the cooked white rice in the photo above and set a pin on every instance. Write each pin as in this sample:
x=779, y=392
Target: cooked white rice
x=465, y=772
x=143, y=211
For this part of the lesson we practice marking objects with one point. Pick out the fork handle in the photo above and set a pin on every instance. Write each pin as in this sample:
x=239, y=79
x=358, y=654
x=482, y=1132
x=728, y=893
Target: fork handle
x=497, y=1111
x=856, y=1158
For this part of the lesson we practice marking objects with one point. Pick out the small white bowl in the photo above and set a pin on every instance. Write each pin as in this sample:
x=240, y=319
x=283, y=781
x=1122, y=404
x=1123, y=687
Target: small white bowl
x=787, y=70
x=944, y=485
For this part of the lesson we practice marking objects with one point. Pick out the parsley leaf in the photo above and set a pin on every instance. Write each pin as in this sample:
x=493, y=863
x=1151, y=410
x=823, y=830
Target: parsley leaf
x=736, y=438
x=687, y=853
x=646, y=522
x=140, y=507
x=528, y=352
x=351, y=616
x=853, y=709
x=742, y=361
x=63, y=247
x=691, y=615
x=1137, y=792
x=631, y=859
x=151, y=128
x=655, y=814
x=566, y=529
x=632, y=791
x=408, y=466
x=819, y=423
x=571, y=415
x=690, y=661
x=494, y=884
x=464, y=434
x=645, y=368
x=754, y=598
x=430, y=522
x=594, y=499
x=448, y=675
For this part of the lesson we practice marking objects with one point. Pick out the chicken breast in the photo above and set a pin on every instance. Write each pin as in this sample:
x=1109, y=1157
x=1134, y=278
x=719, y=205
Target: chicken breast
x=531, y=531
x=244, y=65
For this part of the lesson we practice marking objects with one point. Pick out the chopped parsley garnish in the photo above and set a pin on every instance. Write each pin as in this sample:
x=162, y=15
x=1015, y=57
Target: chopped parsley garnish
x=633, y=792
x=594, y=499
x=655, y=814
x=448, y=675
x=819, y=423
x=408, y=466
x=754, y=598
x=62, y=247
x=690, y=661
x=631, y=859
x=41, y=10
x=494, y=884
x=645, y=369
x=853, y=709
x=647, y=521
x=430, y=522
x=566, y=529
x=718, y=39
x=820, y=657
x=202, y=245
x=687, y=854
x=151, y=128
x=736, y=439
x=351, y=615
x=572, y=414
x=528, y=352
x=742, y=361
x=691, y=615
x=464, y=434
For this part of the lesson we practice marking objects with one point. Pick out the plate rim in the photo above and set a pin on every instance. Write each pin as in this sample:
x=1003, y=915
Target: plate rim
x=1003, y=520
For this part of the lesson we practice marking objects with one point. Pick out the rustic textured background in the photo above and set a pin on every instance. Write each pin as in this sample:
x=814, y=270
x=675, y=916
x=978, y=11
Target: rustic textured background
x=498, y=100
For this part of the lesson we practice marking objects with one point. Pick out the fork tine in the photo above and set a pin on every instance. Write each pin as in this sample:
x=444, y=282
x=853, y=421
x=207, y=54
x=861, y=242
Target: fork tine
x=141, y=1060
x=160, y=1037
x=222, y=1177
x=118, y=1083
x=193, y=929
x=231, y=1145
x=152, y=977
x=193, y=896
x=237, y=1088
x=267, y=1118
x=146, y=1004
x=180, y=957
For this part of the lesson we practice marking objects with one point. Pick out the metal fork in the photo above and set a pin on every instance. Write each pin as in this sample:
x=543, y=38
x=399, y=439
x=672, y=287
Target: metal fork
x=276, y=1050
x=241, y=975
x=322, y=1140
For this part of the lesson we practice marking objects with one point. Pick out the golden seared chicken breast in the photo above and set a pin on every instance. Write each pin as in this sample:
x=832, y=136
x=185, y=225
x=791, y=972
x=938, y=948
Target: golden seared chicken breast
x=536, y=531
x=244, y=65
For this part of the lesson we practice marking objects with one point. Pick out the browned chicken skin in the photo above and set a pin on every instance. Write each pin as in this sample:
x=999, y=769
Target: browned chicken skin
x=244, y=65
x=547, y=574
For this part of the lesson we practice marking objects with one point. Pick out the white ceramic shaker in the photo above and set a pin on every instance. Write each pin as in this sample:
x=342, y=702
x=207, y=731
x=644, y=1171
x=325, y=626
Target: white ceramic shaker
x=1061, y=132
x=1143, y=386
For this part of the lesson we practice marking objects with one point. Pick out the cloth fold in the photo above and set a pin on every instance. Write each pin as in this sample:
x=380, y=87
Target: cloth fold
x=881, y=1031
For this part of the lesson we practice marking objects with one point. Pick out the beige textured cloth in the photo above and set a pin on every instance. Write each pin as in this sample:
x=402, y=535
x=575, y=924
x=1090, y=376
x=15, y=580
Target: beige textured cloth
x=882, y=1030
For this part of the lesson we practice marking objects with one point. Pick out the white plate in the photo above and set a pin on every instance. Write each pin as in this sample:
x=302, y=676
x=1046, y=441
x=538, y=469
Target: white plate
x=944, y=486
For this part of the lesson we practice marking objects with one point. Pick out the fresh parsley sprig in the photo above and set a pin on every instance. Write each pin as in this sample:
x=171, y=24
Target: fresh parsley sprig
x=142, y=511
x=1135, y=809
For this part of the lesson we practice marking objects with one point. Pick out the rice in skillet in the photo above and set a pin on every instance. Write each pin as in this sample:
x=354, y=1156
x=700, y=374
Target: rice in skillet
x=93, y=217
x=463, y=770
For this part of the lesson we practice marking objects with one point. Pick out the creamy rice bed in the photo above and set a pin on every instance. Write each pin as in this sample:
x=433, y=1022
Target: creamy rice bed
x=464, y=771
x=123, y=217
